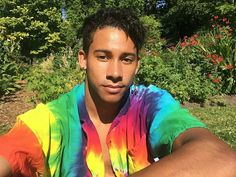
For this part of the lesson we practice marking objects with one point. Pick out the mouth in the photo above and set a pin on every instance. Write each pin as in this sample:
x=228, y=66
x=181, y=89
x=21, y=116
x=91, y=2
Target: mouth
x=113, y=89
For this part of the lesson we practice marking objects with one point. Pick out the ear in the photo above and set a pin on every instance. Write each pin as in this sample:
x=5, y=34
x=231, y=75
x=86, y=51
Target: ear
x=82, y=59
x=138, y=66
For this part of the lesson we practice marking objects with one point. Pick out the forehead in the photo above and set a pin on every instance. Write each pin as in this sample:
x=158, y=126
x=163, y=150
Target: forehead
x=112, y=38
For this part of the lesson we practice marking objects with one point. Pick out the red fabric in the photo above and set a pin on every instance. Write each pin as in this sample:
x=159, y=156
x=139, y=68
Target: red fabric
x=20, y=147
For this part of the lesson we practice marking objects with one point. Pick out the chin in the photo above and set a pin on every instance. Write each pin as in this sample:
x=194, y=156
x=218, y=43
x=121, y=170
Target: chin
x=112, y=100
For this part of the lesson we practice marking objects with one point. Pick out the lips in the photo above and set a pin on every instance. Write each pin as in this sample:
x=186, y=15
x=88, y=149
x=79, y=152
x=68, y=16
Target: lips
x=113, y=89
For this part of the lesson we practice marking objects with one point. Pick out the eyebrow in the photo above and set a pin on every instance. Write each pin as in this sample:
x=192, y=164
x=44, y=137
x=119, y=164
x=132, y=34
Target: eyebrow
x=101, y=50
x=109, y=52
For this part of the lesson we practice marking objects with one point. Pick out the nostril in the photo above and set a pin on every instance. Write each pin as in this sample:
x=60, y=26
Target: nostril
x=114, y=71
x=114, y=79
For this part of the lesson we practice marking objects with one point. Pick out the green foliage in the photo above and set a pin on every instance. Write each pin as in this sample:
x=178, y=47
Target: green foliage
x=37, y=23
x=76, y=12
x=185, y=17
x=214, y=52
x=8, y=67
x=137, y=6
x=174, y=74
x=57, y=75
x=153, y=42
x=227, y=9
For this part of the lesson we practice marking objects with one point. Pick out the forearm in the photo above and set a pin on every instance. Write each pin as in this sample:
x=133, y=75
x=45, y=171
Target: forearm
x=198, y=158
x=5, y=169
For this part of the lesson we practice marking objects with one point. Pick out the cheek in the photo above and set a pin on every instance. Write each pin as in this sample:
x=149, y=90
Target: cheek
x=96, y=72
x=129, y=74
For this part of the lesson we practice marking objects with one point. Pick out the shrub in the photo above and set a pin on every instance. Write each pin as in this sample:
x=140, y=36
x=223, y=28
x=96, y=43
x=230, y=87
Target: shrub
x=57, y=75
x=174, y=74
x=153, y=44
x=215, y=54
x=8, y=66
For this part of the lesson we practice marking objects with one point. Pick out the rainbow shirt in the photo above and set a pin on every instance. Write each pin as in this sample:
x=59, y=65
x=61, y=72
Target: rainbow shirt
x=59, y=139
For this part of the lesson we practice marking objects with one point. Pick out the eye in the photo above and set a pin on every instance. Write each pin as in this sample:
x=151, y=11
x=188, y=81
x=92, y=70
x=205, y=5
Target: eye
x=128, y=60
x=102, y=57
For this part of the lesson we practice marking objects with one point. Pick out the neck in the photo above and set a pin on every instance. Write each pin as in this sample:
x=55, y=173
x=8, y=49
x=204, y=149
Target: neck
x=99, y=110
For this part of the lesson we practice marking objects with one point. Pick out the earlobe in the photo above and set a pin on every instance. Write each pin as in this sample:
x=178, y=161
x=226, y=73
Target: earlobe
x=82, y=59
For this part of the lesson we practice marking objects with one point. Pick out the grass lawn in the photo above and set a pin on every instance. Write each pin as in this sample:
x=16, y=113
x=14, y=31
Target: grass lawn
x=220, y=120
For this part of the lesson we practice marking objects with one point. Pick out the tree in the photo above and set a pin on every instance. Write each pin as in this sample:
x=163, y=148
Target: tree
x=35, y=23
x=185, y=17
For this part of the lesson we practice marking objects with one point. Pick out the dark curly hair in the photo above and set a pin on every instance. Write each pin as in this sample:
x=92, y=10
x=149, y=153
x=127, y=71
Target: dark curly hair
x=120, y=18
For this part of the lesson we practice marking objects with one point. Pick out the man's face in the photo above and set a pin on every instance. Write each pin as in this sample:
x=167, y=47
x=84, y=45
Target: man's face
x=111, y=64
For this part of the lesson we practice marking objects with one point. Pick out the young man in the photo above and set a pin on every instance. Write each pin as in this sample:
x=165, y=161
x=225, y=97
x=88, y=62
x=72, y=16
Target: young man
x=109, y=127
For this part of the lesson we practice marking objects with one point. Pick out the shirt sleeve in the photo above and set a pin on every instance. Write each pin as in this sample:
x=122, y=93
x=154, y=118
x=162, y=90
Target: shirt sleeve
x=168, y=121
x=22, y=150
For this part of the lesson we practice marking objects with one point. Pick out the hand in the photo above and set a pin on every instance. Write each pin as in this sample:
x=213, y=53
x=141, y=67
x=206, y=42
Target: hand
x=5, y=169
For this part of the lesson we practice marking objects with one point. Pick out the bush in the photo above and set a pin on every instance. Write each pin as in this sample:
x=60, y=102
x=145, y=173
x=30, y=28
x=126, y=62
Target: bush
x=8, y=67
x=174, y=74
x=214, y=52
x=57, y=75
x=8, y=74
x=153, y=44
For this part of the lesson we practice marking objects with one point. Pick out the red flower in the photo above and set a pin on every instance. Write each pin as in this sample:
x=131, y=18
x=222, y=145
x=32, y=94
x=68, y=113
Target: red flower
x=183, y=44
x=209, y=75
x=229, y=66
x=214, y=56
x=220, y=59
x=194, y=42
x=227, y=22
x=195, y=35
x=192, y=38
x=216, y=80
x=213, y=25
x=185, y=37
x=224, y=19
x=216, y=16
x=214, y=61
x=208, y=55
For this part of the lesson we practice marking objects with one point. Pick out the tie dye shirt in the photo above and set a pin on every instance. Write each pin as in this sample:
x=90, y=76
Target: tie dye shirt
x=59, y=139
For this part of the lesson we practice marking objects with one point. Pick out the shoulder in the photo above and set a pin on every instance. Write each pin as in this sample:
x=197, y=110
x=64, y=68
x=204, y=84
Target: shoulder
x=52, y=111
x=68, y=98
x=151, y=94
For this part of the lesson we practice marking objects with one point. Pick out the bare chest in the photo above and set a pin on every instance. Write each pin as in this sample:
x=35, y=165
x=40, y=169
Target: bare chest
x=102, y=131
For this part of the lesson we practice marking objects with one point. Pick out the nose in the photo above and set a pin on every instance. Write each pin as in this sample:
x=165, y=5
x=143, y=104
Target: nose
x=114, y=71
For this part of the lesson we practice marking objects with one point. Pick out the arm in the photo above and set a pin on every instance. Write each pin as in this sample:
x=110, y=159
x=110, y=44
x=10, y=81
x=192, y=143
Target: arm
x=20, y=152
x=5, y=169
x=196, y=153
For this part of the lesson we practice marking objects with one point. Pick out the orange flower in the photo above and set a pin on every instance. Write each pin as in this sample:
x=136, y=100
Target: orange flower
x=208, y=55
x=220, y=59
x=216, y=80
x=194, y=42
x=214, y=61
x=192, y=38
x=183, y=44
x=214, y=56
x=229, y=66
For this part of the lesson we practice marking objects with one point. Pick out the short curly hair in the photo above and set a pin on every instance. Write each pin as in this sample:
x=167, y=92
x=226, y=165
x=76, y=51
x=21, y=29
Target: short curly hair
x=120, y=18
